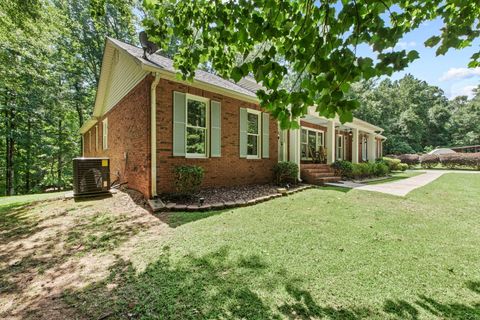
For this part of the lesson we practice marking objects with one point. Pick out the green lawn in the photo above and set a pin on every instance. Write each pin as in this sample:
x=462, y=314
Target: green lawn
x=396, y=176
x=323, y=253
x=13, y=200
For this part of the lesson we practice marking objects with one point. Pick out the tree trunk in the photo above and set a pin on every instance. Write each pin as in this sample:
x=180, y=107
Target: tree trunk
x=10, y=146
x=28, y=156
x=59, y=157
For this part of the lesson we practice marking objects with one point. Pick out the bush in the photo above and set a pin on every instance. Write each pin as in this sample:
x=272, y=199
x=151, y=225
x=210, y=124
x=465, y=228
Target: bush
x=392, y=163
x=188, y=179
x=343, y=168
x=428, y=161
x=454, y=160
x=402, y=166
x=380, y=169
x=285, y=172
x=411, y=158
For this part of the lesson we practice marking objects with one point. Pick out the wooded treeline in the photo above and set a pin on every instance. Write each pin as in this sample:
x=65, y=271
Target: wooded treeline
x=416, y=116
x=50, y=57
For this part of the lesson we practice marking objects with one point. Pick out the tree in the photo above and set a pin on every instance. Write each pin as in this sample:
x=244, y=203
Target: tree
x=315, y=40
x=465, y=124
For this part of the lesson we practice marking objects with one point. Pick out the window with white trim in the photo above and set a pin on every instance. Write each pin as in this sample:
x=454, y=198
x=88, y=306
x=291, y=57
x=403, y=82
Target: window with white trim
x=340, y=147
x=105, y=134
x=96, y=137
x=253, y=133
x=310, y=139
x=364, y=149
x=196, y=135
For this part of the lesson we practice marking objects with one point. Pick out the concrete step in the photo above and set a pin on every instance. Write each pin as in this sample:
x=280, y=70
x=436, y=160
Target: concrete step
x=317, y=170
x=321, y=180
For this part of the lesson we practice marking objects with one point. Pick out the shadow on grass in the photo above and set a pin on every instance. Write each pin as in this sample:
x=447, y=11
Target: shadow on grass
x=176, y=219
x=332, y=188
x=14, y=222
x=405, y=310
x=213, y=286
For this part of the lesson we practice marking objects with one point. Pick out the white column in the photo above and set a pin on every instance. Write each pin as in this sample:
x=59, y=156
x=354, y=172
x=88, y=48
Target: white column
x=355, y=143
x=294, y=148
x=371, y=148
x=330, y=143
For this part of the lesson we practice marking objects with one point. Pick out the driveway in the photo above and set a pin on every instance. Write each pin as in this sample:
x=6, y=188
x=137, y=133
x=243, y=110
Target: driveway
x=402, y=187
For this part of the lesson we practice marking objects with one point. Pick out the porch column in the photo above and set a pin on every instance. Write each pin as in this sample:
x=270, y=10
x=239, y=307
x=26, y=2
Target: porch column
x=355, y=143
x=330, y=143
x=371, y=148
x=294, y=148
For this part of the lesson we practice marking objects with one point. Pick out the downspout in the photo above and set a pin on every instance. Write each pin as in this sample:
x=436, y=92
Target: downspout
x=153, y=133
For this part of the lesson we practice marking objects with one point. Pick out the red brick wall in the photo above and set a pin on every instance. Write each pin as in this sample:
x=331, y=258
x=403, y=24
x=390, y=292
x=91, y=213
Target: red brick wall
x=227, y=170
x=312, y=126
x=128, y=135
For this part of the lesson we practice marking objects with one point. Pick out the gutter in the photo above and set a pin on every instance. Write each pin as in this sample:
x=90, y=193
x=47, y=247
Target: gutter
x=153, y=133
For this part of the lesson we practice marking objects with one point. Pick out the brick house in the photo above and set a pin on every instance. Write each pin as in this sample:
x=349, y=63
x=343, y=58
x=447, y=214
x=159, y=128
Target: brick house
x=141, y=106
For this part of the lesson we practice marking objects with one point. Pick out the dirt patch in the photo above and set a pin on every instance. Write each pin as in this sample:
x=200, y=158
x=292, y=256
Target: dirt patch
x=225, y=194
x=50, y=247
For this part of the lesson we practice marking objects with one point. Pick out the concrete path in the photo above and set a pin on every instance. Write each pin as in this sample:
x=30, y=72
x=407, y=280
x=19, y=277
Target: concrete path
x=400, y=187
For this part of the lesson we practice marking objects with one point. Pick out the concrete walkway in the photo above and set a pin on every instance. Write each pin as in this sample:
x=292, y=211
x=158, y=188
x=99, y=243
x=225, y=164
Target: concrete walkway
x=401, y=187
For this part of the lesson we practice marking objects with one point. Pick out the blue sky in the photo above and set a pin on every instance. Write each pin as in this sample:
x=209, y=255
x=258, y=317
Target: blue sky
x=449, y=72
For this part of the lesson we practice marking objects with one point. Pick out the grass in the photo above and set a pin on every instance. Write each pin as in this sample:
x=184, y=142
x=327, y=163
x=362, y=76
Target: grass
x=320, y=254
x=23, y=199
x=395, y=176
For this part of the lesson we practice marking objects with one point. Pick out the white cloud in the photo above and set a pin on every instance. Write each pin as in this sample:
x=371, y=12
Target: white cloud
x=463, y=91
x=460, y=73
x=405, y=44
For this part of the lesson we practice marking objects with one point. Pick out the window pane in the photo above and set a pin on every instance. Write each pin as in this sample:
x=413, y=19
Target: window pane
x=303, y=137
x=252, y=145
x=195, y=140
x=303, y=150
x=320, y=139
x=196, y=113
x=253, y=123
x=312, y=138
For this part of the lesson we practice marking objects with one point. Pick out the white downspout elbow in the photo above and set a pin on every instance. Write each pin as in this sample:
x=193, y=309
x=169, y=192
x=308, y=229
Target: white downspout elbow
x=153, y=133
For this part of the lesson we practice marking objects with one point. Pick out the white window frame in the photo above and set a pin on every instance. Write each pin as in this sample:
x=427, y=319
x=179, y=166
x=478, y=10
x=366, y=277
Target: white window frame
x=207, y=125
x=364, y=149
x=340, y=148
x=259, y=134
x=96, y=137
x=105, y=134
x=317, y=146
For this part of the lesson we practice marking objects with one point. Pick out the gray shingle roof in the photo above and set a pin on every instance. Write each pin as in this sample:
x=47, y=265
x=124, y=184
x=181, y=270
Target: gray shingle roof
x=245, y=86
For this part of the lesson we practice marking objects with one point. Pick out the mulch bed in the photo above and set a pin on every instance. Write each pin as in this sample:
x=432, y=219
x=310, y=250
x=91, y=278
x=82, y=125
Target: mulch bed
x=227, y=194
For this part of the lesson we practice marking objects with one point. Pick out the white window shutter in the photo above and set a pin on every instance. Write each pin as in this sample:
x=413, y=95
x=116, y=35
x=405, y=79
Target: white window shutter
x=179, y=116
x=265, y=135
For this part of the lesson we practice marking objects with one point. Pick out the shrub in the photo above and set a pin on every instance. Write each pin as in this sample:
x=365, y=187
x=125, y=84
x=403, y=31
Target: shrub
x=286, y=171
x=453, y=160
x=188, y=179
x=411, y=158
x=362, y=170
x=343, y=168
x=428, y=161
x=392, y=163
x=402, y=166
x=380, y=169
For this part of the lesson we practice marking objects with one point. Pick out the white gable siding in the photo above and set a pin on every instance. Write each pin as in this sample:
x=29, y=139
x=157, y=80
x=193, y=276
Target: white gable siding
x=126, y=74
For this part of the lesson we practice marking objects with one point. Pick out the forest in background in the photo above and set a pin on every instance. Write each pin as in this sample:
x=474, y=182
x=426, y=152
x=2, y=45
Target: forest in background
x=50, y=59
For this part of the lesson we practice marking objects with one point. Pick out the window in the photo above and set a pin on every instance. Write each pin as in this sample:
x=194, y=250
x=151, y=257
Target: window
x=105, y=134
x=196, y=126
x=310, y=139
x=253, y=134
x=96, y=137
x=339, y=147
x=364, y=149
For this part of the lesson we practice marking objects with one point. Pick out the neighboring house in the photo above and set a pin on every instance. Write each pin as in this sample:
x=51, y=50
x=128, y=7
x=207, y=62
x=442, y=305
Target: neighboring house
x=441, y=151
x=467, y=149
x=142, y=106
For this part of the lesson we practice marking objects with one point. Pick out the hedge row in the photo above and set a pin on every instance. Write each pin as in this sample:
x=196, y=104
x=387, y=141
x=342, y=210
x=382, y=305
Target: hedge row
x=364, y=170
x=451, y=160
